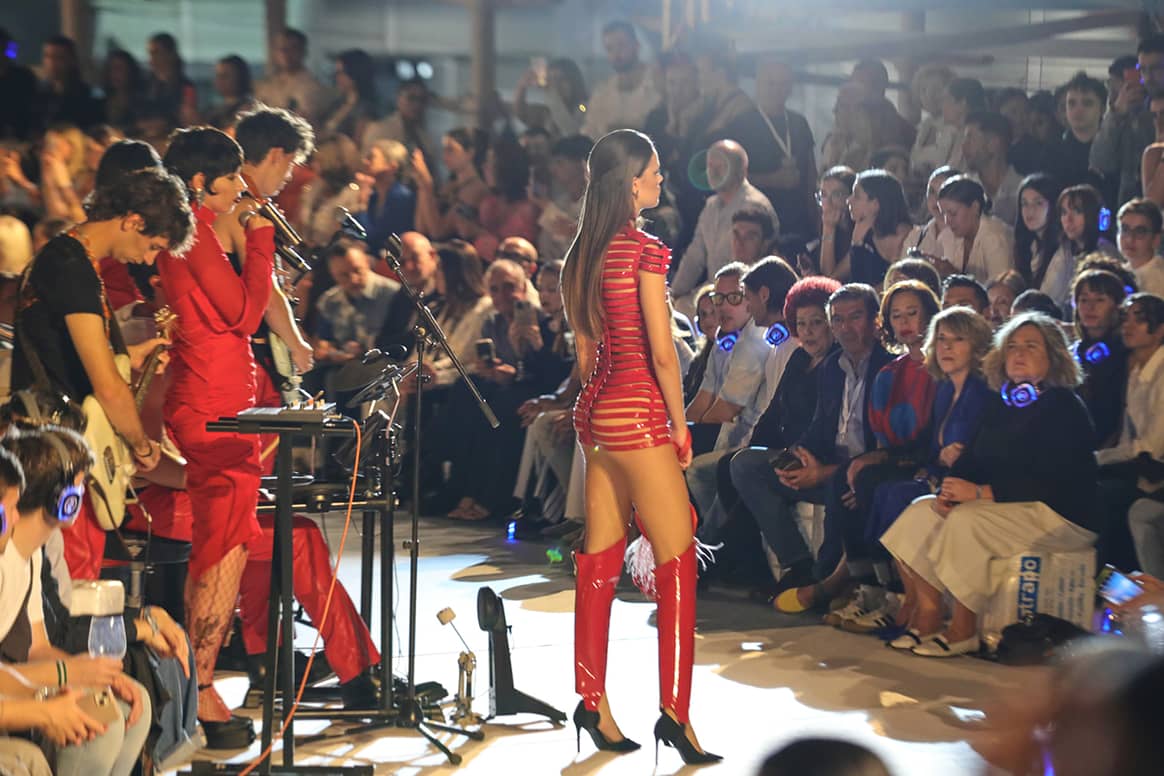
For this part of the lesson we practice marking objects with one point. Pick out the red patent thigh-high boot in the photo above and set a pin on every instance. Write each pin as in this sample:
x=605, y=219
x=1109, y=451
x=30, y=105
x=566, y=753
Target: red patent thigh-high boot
x=598, y=574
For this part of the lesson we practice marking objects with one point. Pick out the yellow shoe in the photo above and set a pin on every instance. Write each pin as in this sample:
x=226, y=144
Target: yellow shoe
x=788, y=602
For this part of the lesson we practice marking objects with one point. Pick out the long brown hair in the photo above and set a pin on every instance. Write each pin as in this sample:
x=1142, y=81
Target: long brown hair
x=615, y=161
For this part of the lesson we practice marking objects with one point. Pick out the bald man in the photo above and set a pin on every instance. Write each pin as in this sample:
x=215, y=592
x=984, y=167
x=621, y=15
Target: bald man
x=418, y=265
x=711, y=247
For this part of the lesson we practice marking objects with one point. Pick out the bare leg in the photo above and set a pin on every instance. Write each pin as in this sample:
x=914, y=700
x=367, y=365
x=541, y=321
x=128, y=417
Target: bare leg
x=963, y=624
x=909, y=603
x=210, y=602
x=927, y=618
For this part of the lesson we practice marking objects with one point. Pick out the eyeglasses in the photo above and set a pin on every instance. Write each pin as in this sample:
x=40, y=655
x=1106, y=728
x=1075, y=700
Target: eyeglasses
x=734, y=297
x=837, y=197
x=1139, y=232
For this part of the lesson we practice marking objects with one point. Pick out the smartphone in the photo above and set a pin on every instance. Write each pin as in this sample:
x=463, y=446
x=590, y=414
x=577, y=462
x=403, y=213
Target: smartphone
x=486, y=350
x=539, y=66
x=785, y=460
x=524, y=313
x=100, y=706
x=1115, y=587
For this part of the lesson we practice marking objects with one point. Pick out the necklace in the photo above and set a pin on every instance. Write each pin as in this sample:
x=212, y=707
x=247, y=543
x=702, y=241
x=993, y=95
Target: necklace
x=81, y=239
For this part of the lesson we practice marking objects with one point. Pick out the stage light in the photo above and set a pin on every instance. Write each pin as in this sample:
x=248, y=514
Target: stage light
x=424, y=70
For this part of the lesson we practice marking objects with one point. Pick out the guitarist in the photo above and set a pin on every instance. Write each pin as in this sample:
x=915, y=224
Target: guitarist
x=212, y=375
x=273, y=141
x=66, y=337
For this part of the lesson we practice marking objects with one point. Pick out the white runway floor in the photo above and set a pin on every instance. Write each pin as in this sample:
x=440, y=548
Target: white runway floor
x=761, y=679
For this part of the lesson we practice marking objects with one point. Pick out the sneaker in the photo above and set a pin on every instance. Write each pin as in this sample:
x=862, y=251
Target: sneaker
x=876, y=619
x=940, y=648
x=865, y=599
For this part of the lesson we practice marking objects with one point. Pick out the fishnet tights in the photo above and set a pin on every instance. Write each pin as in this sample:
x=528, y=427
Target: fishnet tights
x=210, y=603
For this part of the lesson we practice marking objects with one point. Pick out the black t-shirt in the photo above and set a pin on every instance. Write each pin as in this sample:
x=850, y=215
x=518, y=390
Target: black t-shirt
x=61, y=282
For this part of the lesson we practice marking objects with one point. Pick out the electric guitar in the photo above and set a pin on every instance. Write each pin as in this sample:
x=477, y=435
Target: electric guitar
x=114, y=465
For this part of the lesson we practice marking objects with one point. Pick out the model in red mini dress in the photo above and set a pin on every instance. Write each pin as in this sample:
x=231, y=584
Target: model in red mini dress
x=212, y=375
x=630, y=423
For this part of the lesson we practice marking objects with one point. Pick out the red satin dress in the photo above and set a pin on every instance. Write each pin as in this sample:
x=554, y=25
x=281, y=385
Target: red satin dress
x=621, y=407
x=213, y=375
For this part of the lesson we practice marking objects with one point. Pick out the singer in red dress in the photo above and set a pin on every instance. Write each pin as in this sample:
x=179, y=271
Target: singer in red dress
x=212, y=375
x=630, y=422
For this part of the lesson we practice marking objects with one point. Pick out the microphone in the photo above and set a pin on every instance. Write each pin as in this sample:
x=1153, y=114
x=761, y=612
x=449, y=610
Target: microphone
x=349, y=224
x=390, y=353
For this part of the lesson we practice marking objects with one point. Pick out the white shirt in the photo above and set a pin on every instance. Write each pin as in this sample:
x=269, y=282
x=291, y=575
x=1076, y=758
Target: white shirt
x=1150, y=276
x=711, y=246
x=610, y=108
x=1004, y=202
x=14, y=581
x=742, y=383
x=300, y=92
x=462, y=335
x=774, y=363
x=924, y=238
x=990, y=256
x=1142, y=430
x=1057, y=280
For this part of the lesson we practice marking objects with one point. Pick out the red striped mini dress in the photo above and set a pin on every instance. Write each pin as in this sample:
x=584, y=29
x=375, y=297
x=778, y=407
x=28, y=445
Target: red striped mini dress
x=620, y=406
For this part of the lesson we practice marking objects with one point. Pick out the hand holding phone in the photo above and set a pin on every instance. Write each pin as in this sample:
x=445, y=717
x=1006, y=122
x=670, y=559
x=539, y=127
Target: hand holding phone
x=487, y=351
x=1115, y=587
x=785, y=460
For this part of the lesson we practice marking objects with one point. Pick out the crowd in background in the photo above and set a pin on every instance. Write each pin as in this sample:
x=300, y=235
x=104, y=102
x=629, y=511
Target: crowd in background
x=965, y=310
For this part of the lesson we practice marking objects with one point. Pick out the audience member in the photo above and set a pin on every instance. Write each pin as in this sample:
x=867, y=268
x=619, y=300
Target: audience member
x=1152, y=181
x=1086, y=101
x=1128, y=127
x=780, y=147
x=711, y=248
x=460, y=195
x=167, y=86
x=408, y=125
x=63, y=97
x=923, y=239
x=292, y=85
x=1025, y=484
x=356, y=103
x=984, y=149
x=418, y=266
x=564, y=92
x=122, y=89
x=558, y=222
x=957, y=342
x=936, y=138
x=1037, y=232
x=880, y=225
x=1032, y=301
x=1140, y=225
x=724, y=100
x=335, y=163
x=626, y=98
x=460, y=283
x=770, y=486
x=1026, y=154
x=1002, y=291
x=1081, y=212
x=17, y=90
x=506, y=211
x=390, y=206
x=913, y=269
x=235, y=90
x=965, y=291
x=1096, y=297
x=831, y=255
x=706, y=324
x=963, y=97
x=974, y=242
x=890, y=128
x=851, y=141
x=351, y=313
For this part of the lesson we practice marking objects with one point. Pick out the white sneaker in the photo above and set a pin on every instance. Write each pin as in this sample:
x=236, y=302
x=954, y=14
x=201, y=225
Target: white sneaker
x=864, y=600
x=881, y=617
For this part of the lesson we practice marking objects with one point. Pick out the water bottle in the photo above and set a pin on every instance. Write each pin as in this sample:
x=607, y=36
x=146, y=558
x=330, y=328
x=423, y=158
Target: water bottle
x=104, y=602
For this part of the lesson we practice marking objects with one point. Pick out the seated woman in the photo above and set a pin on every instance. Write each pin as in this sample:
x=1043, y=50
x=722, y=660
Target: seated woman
x=923, y=239
x=390, y=206
x=460, y=283
x=506, y=211
x=829, y=256
x=1100, y=350
x=1001, y=292
x=900, y=402
x=1142, y=437
x=1037, y=230
x=1079, y=209
x=881, y=223
x=975, y=242
x=461, y=193
x=334, y=163
x=706, y=324
x=913, y=269
x=958, y=341
x=1026, y=483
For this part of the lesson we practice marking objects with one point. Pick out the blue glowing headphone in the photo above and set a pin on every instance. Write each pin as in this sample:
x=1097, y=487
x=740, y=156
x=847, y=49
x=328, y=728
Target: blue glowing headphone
x=3, y=520
x=777, y=335
x=1095, y=354
x=67, y=497
x=1019, y=395
x=728, y=341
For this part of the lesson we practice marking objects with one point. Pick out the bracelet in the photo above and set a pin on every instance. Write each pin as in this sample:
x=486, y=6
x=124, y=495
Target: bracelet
x=62, y=673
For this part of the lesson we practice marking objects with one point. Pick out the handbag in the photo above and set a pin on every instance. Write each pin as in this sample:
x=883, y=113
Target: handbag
x=1035, y=639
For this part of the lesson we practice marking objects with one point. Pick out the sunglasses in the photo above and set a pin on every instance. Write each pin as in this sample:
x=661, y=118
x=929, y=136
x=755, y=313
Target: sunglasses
x=717, y=299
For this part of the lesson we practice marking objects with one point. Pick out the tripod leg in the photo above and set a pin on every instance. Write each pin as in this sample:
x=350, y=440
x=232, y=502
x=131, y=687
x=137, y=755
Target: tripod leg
x=476, y=735
x=453, y=757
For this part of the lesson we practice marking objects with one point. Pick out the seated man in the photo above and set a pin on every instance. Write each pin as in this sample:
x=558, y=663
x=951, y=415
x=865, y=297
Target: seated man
x=751, y=380
x=55, y=462
x=839, y=431
x=352, y=312
x=965, y=291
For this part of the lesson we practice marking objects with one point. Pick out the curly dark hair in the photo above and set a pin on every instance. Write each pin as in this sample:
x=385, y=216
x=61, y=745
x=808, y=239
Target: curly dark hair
x=157, y=196
x=809, y=292
x=45, y=473
x=260, y=130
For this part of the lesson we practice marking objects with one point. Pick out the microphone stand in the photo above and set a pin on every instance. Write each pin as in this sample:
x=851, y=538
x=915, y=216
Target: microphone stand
x=427, y=332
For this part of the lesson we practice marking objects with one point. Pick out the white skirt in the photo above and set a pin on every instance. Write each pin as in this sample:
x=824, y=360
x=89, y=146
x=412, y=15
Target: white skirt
x=953, y=553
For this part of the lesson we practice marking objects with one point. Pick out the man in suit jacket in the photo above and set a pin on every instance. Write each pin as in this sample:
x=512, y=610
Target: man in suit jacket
x=839, y=431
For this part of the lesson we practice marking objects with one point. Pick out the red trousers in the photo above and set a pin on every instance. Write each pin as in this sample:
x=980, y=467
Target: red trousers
x=84, y=544
x=346, y=640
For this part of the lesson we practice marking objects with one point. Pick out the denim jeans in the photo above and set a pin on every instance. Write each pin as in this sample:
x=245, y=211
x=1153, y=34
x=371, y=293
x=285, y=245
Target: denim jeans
x=702, y=482
x=774, y=507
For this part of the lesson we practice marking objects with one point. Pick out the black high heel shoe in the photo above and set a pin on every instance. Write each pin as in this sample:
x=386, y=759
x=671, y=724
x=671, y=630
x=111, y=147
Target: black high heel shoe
x=674, y=735
x=588, y=721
